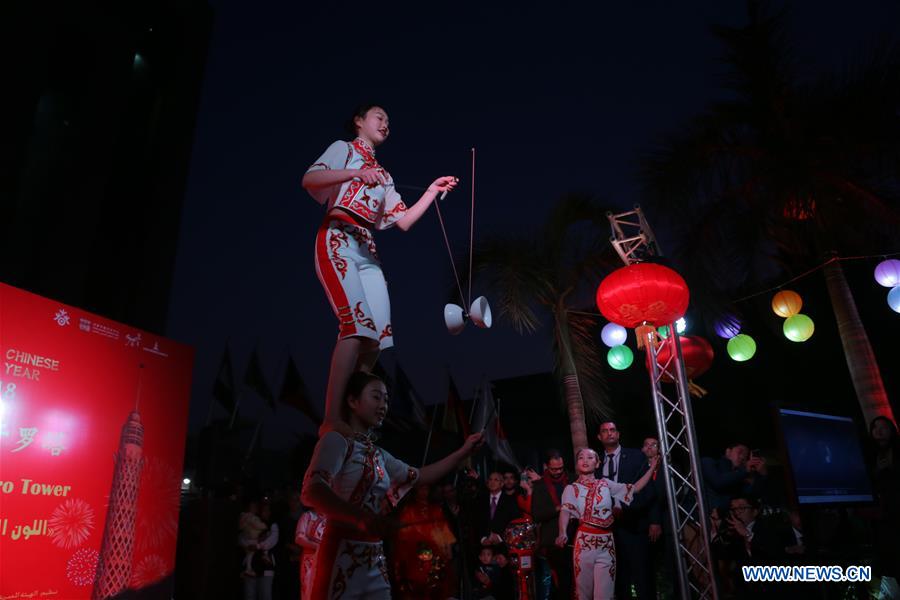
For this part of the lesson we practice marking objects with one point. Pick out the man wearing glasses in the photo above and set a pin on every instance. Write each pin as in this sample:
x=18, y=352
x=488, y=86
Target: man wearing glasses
x=752, y=538
x=542, y=502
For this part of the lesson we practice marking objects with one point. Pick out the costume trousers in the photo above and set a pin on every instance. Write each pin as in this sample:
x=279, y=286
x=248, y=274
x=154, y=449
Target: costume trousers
x=595, y=566
x=348, y=267
x=350, y=569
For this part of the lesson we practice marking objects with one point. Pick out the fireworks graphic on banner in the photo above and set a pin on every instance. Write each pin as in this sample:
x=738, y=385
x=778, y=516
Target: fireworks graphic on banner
x=158, y=505
x=117, y=549
x=150, y=570
x=81, y=567
x=71, y=523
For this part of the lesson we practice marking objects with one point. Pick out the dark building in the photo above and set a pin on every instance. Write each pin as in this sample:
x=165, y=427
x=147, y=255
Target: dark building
x=95, y=148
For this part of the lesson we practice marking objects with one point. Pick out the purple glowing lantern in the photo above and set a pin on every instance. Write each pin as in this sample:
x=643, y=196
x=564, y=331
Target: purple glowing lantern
x=887, y=273
x=728, y=326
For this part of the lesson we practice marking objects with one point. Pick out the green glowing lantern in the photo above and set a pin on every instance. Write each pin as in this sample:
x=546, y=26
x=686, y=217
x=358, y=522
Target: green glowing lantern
x=620, y=357
x=741, y=347
x=798, y=328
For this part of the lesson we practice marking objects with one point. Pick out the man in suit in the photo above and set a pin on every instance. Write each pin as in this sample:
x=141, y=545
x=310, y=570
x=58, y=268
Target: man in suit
x=636, y=524
x=495, y=510
x=739, y=472
x=752, y=540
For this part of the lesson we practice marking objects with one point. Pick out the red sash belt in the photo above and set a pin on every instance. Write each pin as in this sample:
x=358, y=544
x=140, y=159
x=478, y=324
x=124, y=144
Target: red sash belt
x=342, y=531
x=592, y=529
x=345, y=217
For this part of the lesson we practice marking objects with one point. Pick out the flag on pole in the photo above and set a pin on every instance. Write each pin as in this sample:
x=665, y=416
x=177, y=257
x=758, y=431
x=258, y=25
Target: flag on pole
x=256, y=380
x=496, y=440
x=405, y=401
x=379, y=370
x=483, y=408
x=294, y=393
x=454, y=420
x=494, y=435
x=223, y=387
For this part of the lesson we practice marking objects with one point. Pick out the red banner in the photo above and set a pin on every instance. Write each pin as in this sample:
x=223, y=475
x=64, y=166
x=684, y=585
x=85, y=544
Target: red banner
x=92, y=431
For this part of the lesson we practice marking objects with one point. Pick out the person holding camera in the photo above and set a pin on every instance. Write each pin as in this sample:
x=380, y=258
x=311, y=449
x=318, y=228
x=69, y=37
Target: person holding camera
x=738, y=472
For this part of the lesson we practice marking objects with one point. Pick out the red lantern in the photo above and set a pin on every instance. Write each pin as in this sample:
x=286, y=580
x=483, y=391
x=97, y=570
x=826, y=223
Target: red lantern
x=643, y=296
x=696, y=352
x=698, y=357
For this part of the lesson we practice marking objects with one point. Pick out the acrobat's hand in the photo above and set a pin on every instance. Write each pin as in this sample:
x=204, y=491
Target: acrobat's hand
x=561, y=540
x=473, y=443
x=443, y=184
x=370, y=176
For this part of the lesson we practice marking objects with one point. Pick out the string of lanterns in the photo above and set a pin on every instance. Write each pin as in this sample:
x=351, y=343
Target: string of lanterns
x=624, y=299
x=887, y=273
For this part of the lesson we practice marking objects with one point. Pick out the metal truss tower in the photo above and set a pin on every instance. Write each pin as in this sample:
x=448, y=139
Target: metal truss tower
x=634, y=241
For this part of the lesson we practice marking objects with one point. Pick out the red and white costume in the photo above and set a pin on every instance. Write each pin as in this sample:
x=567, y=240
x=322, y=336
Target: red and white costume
x=310, y=528
x=351, y=564
x=595, y=551
x=346, y=259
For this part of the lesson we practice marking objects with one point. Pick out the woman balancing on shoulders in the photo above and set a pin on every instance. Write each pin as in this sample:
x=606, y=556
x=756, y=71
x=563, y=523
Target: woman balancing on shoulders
x=360, y=197
x=591, y=501
x=352, y=483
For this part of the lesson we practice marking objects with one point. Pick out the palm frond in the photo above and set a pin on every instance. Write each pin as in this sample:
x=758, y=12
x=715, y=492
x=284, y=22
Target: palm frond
x=513, y=271
x=589, y=364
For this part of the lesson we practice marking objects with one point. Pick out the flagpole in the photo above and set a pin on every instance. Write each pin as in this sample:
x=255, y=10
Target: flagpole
x=212, y=399
x=237, y=403
x=281, y=369
x=472, y=410
x=210, y=411
x=253, y=439
x=430, y=430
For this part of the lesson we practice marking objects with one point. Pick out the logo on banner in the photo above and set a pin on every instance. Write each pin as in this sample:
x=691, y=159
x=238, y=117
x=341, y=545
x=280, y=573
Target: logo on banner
x=62, y=317
x=133, y=341
x=155, y=350
x=84, y=324
x=105, y=330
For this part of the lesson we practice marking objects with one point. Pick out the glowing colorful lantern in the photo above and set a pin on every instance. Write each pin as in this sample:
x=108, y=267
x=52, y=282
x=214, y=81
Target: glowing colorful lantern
x=620, y=357
x=643, y=296
x=798, y=328
x=741, y=347
x=787, y=303
x=887, y=273
x=613, y=334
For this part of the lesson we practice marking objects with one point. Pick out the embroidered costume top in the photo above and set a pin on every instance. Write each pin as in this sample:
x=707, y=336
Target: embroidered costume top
x=592, y=501
x=360, y=472
x=378, y=205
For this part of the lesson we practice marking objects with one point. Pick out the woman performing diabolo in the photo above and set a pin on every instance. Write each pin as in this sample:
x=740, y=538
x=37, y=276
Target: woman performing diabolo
x=591, y=501
x=353, y=482
x=360, y=197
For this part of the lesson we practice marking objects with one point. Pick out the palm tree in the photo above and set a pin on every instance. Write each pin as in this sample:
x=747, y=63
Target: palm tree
x=786, y=170
x=551, y=275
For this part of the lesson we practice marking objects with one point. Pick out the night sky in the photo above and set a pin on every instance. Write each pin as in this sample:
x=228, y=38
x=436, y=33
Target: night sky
x=554, y=98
